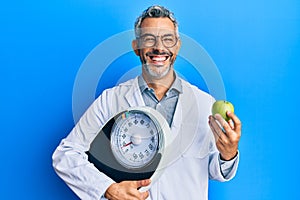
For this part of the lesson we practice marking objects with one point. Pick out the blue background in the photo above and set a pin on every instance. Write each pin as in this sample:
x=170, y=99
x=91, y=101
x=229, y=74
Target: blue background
x=255, y=45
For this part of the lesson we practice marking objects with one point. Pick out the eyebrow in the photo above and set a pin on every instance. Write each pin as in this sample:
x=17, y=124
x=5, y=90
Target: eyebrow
x=150, y=34
x=147, y=34
x=169, y=34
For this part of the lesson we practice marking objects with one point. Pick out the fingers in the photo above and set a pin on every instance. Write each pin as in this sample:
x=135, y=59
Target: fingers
x=217, y=130
x=127, y=190
x=142, y=183
x=224, y=125
x=231, y=124
x=227, y=134
x=232, y=128
x=145, y=195
x=236, y=121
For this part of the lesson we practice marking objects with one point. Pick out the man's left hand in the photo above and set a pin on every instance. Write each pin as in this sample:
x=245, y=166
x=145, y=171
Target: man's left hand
x=227, y=135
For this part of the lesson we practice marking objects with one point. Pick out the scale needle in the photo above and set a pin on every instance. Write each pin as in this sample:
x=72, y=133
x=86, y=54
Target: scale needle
x=125, y=145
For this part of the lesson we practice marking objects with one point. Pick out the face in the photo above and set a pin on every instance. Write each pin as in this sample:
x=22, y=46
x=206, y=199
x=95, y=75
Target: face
x=157, y=46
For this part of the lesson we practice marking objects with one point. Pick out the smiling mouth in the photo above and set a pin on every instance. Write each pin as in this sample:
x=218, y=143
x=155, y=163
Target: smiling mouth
x=159, y=58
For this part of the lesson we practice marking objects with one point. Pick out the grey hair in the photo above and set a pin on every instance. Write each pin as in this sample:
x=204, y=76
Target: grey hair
x=156, y=11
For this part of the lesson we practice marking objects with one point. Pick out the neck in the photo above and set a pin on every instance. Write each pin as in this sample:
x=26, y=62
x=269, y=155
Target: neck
x=161, y=85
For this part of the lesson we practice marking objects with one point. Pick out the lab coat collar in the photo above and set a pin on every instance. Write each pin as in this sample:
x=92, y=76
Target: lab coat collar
x=134, y=96
x=176, y=85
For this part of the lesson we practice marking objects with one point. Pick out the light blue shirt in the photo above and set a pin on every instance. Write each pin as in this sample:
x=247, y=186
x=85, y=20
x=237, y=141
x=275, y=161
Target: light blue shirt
x=166, y=106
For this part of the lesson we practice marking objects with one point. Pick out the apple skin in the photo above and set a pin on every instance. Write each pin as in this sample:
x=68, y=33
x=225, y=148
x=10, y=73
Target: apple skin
x=221, y=107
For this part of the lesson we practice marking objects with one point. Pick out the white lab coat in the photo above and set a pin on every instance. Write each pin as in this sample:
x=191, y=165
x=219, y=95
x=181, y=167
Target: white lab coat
x=192, y=154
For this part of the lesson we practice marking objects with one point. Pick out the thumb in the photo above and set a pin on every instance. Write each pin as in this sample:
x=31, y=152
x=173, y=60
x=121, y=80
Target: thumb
x=142, y=183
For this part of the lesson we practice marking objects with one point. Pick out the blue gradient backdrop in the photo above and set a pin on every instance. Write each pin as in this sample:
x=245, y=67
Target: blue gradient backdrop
x=255, y=45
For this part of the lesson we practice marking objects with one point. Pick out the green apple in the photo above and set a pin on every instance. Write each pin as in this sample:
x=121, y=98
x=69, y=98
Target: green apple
x=221, y=107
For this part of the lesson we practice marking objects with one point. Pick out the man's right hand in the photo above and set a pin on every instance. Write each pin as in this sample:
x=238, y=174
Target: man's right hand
x=127, y=190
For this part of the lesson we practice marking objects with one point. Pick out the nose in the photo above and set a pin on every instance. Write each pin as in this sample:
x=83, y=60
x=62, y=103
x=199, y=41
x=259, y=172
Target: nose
x=159, y=44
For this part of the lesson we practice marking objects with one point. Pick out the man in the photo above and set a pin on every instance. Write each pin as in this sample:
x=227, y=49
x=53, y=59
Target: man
x=201, y=150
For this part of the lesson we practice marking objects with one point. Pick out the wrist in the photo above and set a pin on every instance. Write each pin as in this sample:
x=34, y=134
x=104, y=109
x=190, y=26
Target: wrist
x=228, y=157
x=108, y=193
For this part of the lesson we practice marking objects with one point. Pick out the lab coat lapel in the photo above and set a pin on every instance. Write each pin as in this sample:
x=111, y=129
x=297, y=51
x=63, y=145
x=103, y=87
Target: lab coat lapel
x=184, y=125
x=172, y=150
x=177, y=118
x=133, y=96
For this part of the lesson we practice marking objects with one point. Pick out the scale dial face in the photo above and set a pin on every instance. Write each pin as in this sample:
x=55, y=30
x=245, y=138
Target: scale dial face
x=135, y=139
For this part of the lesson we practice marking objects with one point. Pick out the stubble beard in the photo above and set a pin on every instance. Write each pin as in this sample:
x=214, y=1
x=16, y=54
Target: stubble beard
x=158, y=73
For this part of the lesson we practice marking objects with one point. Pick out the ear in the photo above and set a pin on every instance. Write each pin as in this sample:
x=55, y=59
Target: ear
x=134, y=45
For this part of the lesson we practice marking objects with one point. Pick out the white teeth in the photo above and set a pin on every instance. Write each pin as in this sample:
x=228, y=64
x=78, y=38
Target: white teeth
x=159, y=58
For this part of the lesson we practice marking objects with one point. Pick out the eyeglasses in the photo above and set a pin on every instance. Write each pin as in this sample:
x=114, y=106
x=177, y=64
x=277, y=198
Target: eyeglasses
x=149, y=40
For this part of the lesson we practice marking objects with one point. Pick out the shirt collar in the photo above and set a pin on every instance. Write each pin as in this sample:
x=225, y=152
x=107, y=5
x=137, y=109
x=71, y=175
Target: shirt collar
x=142, y=83
x=175, y=86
